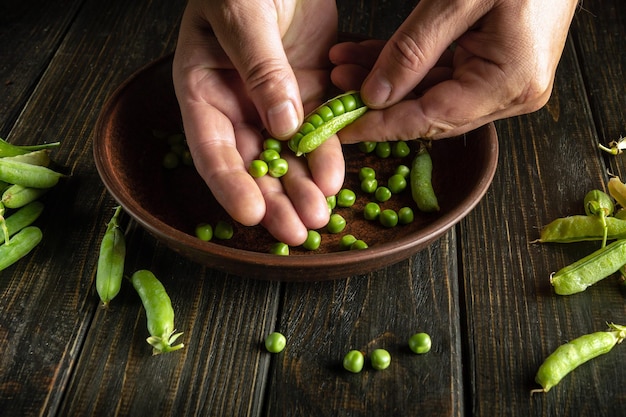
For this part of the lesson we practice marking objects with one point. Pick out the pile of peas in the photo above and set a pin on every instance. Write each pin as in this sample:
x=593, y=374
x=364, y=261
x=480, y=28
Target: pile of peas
x=601, y=222
x=25, y=176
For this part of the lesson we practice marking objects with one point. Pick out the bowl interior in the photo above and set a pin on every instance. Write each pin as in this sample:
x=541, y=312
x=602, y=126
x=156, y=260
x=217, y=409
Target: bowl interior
x=170, y=203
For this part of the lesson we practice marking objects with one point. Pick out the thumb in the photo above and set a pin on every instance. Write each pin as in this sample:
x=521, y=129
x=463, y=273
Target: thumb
x=251, y=37
x=415, y=48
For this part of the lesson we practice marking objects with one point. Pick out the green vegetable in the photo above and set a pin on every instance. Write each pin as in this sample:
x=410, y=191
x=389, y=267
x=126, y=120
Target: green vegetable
x=280, y=248
x=421, y=181
x=382, y=194
x=380, y=358
x=396, y=183
x=367, y=147
x=354, y=361
x=420, y=343
x=325, y=121
x=23, y=217
x=313, y=240
x=275, y=342
x=406, y=215
x=403, y=170
x=159, y=312
x=346, y=241
x=258, y=168
x=271, y=143
x=582, y=228
x=223, y=230
x=27, y=175
x=19, y=246
x=358, y=245
x=367, y=172
x=204, y=231
x=17, y=196
x=383, y=149
x=371, y=211
x=388, y=218
x=269, y=155
x=600, y=205
x=336, y=224
x=369, y=185
x=571, y=355
x=111, y=260
x=346, y=198
x=587, y=271
x=278, y=167
x=8, y=149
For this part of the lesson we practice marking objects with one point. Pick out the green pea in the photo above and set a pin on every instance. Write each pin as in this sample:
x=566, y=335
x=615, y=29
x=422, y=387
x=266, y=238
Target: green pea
x=275, y=342
x=421, y=181
x=371, y=211
x=187, y=158
x=403, y=170
x=369, y=185
x=315, y=119
x=367, y=147
x=381, y=359
x=278, y=167
x=325, y=113
x=574, y=353
x=396, y=183
x=159, y=312
x=354, y=361
x=223, y=230
x=420, y=343
x=204, y=232
x=313, y=240
x=274, y=144
x=269, y=155
x=35, y=176
x=382, y=194
x=110, y=270
x=406, y=215
x=400, y=149
x=388, y=218
x=336, y=224
x=258, y=168
x=279, y=248
x=587, y=271
x=23, y=217
x=19, y=246
x=580, y=228
x=313, y=137
x=332, y=202
x=367, y=173
x=346, y=198
x=16, y=196
x=8, y=149
x=358, y=245
x=349, y=102
x=170, y=160
x=383, y=149
x=346, y=241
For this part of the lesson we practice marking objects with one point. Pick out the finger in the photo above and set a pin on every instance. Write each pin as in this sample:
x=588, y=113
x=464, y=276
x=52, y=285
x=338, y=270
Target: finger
x=250, y=36
x=327, y=166
x=415, y=48
x=212, y=143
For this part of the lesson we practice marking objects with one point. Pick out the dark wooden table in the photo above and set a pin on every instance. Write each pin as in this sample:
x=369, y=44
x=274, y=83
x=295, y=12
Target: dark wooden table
x=481, y=291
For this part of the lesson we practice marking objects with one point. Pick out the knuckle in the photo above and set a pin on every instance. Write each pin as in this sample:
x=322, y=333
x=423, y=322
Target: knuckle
x=266, y=76
x=406, y=51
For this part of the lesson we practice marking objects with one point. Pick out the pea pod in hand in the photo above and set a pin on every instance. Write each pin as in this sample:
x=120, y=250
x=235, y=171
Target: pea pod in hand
x=111, y=260
x=326, y=120
x=159, y=312
x=421, y=181
x=574, y=353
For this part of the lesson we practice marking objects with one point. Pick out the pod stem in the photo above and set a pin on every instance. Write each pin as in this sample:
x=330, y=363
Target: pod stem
x=3, y=225
x=164, y=343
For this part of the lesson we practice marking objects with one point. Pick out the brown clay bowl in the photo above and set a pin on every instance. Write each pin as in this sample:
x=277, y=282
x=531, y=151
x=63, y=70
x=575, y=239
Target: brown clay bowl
x=170, y=203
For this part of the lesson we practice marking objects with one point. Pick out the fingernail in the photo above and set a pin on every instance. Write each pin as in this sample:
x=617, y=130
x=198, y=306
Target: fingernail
x=282, y=119
x=377, y=89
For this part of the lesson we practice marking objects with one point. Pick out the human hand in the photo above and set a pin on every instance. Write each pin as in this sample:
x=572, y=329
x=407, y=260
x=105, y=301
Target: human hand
x=503, y=64
x=241, y=66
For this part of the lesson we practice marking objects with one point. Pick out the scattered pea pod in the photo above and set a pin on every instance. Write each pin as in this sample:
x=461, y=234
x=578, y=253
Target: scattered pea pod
x=587, y=271
x=159, y=312
x=421, y=181
x=326, y=120
x=579, y=228
x=111, y=260
x=23, y=217
x=574, y=353
x=19, y=246
x=41, y=158
x=8, y=149
x=16, y=172
x=16, y=196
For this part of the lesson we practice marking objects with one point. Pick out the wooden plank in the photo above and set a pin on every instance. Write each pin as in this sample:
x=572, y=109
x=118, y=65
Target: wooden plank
x=548, y=161
x=323, y=321
x=30, y=32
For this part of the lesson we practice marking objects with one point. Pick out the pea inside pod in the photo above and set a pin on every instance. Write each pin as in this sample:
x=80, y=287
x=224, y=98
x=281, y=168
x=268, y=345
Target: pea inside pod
x=326, y=120
x=574, y=353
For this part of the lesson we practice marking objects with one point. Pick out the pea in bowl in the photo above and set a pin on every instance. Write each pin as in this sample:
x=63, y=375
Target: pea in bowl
x=170, y=203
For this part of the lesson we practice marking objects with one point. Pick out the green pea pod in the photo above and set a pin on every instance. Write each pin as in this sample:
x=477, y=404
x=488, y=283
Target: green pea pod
x=587, y=271
x=159, y=312
x=19, y=246
x=27, y=175
x=326, y=120
x=421, y=181
x=111, y=260
x=23, y=217
x=41, y=158
x=598, y=203
x=8, y=149
x=17, y=196
x=581, y=228
x=574, y=353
